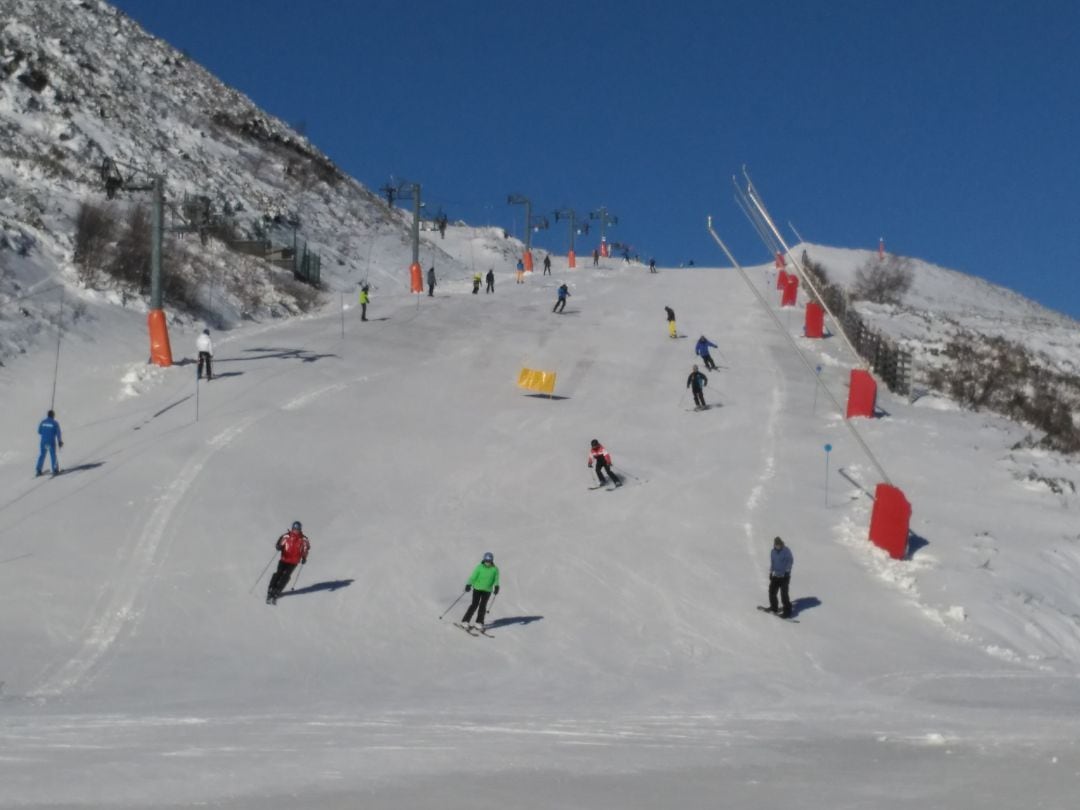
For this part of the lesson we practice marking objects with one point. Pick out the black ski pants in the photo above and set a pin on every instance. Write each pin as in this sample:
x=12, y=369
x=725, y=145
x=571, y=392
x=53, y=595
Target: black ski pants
x=560, y=305
x=780, y=584
x=709, y=364
x=699, y=397
x=490, y=286
x=601, y=466
x=280, y=578
x=204, y=357
x=477, y=606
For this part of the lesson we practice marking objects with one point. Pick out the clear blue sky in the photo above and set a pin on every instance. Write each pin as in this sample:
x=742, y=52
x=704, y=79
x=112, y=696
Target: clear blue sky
x=949, y=128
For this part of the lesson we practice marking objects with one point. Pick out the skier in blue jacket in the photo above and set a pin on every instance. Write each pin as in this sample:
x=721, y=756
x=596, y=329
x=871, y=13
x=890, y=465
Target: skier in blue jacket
x=563, y=293
x=702, y=351
x=780, y=563
x=49, y=431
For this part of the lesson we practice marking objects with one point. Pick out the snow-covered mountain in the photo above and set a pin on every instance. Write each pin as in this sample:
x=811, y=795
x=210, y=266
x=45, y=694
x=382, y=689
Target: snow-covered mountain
x=628, y=667
x=81, y=83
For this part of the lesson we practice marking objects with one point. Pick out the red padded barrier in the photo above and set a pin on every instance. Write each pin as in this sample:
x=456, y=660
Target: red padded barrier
x=416, y=278
x=890, y=521
x=160, y=350
x=862, y=396
x=815, y=320
x=790, y=294
x=781, y=279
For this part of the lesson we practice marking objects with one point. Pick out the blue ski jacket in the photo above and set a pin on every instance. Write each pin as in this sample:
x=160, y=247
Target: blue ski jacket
x=49, y=430
x=782, y=560
x=703, y=345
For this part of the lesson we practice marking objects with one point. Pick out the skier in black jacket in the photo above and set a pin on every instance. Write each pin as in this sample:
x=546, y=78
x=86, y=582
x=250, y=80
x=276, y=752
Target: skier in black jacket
x=696, y=382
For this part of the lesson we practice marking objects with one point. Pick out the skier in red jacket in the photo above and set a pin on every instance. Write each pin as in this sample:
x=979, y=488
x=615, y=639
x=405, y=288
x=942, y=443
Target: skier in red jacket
x=602, y=457
x=294, y=548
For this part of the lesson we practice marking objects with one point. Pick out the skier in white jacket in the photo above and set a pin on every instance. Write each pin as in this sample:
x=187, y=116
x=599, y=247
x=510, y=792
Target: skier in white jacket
x=205, y=348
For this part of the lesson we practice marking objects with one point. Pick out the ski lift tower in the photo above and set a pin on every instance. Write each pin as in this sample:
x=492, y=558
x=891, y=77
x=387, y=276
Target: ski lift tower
x=606, y=218
x=416, y=276
x=115, y=180
x=570, y=214
x=518, y=199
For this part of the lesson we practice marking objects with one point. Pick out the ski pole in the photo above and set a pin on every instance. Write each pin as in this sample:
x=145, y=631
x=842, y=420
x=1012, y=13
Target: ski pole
x=256, y=582
x=295, y=581
x=490, y=607
x=452, y=605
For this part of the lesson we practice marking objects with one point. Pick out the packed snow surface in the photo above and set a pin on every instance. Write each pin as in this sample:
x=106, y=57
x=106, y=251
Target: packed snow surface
x=628, y=667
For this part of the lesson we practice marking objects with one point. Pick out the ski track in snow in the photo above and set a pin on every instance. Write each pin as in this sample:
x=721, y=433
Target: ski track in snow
x=120, y=611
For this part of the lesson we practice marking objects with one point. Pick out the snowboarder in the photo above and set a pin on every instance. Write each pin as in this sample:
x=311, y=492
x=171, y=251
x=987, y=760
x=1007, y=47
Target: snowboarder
x=294, y=548
x=547, y=265
x=560, y=303
x=476, y=279
x=652, y=265
x=702, y=351
x=602, y=458
x=671, y=322
x=483, y=582
x=780, y=563
x=696, y=382
x=365, y=299
x=205, y=347
x=431, y=281
x=49, y=431
x=490, y=281
x=520, y=272
x=595, y=258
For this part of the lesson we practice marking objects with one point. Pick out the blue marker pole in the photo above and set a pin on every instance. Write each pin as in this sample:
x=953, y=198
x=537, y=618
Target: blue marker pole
x=817, y=383
x=828, y=449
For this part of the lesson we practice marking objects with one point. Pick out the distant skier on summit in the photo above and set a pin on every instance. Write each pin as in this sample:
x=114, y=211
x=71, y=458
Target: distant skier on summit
x=602, y=458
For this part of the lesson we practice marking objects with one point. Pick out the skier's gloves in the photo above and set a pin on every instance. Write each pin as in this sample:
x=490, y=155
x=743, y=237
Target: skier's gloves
x=496, y=590
x=590, y=465
x=303, y=561
x=61, y=444
x=468, y=588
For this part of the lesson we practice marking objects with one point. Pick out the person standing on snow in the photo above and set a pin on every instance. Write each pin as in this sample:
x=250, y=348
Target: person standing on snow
x=294, y=548
x=49, y=431
x=602, y=458
x=671, y=322
x=476, y=283
x=652, y=265
x=490, y=281
x=547, y=265
x=483, y=582
x=560, y=303
x=205, y=348
x=780, y=562
x=431, y=281
x=595, y=258
x=696, y=382
x=365, y=299
x=520, y=272
x=702, y=351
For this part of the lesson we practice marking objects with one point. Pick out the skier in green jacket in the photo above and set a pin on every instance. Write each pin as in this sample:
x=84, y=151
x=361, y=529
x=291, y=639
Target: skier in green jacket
x=483, y=583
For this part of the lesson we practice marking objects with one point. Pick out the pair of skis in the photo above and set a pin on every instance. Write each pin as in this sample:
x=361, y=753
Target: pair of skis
x=474, y=630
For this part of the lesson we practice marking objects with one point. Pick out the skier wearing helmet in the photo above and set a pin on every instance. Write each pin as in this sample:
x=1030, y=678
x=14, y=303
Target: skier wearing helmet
x=294, y=548
x=483, y=582
x=602, y=457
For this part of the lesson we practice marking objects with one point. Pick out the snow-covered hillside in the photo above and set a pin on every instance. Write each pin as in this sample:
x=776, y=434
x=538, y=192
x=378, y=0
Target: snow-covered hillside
x=628, y=667
x=81, y=83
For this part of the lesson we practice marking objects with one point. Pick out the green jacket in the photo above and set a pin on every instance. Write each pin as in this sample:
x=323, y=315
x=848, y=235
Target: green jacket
x=364, y=297
x=484, y=577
